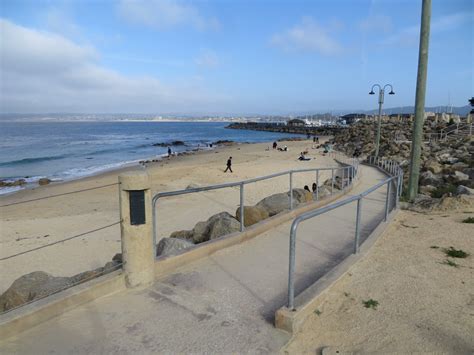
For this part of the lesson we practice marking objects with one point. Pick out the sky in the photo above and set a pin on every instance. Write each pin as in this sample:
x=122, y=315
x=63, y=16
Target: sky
x=228, y=56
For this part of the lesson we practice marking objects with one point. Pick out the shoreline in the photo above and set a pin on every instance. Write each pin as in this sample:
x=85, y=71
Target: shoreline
x=50, y=213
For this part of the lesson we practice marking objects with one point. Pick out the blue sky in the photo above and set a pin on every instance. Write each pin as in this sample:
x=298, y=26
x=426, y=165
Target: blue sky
x=228, y=57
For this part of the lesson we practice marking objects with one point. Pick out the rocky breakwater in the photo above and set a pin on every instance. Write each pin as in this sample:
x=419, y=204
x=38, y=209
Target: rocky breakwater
x=447, y=167
x=283, y=128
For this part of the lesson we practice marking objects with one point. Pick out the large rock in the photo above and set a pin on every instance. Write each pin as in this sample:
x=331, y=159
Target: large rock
x=184, y=234
x=433, y=166
x=31, y=286
x=464, y=190
x=172, y=246
x=459, y=176
x=216, y=226
x=222, y=224
x=252, y=214
x=275, y=204
x=428, y=178
x=44, y=181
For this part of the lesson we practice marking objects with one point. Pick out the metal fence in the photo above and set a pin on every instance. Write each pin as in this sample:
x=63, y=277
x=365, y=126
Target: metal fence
x=349, y=170
x=393, y=187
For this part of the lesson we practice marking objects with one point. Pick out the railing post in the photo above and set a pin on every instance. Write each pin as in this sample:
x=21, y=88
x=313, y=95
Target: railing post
x=357, y=230
x=291, y=190
x=291, y=269
x=155, y=225
x=332, y=181
x=387, y=200
x=317, y=185
x=397, y=197
x=242, y=223
x=136, y=228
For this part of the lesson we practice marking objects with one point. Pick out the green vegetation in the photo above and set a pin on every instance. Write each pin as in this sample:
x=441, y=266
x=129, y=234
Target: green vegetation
x=434, y=247
x=450, y=263
x=318, y=312
x=371, y=303
x=443, y=190
x=455, y=253
x=468, y=220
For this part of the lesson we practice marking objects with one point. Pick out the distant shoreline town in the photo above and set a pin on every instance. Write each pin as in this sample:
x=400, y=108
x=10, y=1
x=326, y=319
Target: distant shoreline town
x=314, y=119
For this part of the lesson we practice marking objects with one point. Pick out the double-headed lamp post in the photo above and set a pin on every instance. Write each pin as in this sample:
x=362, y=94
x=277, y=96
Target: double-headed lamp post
x=381, y=96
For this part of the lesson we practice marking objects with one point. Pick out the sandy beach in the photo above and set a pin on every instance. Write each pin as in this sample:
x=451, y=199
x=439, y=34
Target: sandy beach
x=28, y=225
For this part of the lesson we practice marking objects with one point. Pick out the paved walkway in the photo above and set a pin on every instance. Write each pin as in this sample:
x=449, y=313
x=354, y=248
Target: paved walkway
x=220, y=304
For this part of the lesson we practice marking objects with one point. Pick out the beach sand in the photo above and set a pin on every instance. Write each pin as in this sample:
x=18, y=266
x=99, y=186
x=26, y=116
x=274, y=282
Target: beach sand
x=29, y=225
x=425, y=306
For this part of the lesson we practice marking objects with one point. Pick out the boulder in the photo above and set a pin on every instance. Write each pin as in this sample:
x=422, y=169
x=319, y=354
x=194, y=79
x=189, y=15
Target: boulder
x=172, y=246
x=222, y=224
x=459, y=176
x=299, y=195
x=216, y=226
x=427, y=189
x=433, y=166
x=460, y=202
x=44, y=181
x=200, y=232
x=460, y=166
x=183, y=234
x=19, y=182
x=428, y=178
x=275, y=204
x=464, y=190
x=252, y=214
x=30, y=287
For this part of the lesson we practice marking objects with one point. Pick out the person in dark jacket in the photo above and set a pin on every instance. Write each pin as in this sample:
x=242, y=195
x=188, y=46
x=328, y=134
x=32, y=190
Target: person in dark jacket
x=229, y=165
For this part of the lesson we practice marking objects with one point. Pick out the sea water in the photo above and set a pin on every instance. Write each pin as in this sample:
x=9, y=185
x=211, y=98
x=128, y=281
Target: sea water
x=70, y=150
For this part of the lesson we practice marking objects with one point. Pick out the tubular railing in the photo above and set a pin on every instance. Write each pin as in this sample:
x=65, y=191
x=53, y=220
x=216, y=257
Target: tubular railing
x=394, y=180
x=349, y=172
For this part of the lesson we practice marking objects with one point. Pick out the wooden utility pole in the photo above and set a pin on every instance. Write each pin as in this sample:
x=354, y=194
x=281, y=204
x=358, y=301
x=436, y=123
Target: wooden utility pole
x=420, y=100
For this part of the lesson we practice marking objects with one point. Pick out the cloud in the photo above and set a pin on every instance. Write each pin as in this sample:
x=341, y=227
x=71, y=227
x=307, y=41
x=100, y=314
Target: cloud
x=207, y=59
x=307, y=36
x=376, y=23
x=45, y=72
x=164, y=14
x=409, y=36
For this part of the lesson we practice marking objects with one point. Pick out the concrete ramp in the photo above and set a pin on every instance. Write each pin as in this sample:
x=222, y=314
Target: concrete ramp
x=220, y=304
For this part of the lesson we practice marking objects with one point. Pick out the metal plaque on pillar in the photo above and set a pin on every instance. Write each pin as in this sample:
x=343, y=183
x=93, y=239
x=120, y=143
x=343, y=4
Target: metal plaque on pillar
x=137, y=207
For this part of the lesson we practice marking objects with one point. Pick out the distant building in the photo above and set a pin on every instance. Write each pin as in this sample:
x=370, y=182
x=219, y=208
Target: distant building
x=352, y=118
x=296, y=123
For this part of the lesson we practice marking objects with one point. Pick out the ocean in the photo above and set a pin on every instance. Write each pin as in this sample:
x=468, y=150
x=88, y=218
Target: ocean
x=69, y=150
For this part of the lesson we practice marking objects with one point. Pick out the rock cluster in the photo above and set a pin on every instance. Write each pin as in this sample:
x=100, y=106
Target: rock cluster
x=223, y=223
x=39, y=284
x=447, y=167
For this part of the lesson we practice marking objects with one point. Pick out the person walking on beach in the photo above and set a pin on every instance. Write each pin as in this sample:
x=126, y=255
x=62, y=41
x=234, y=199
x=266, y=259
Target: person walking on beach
x=229, y=165
x=169, y=152
x=275, y=145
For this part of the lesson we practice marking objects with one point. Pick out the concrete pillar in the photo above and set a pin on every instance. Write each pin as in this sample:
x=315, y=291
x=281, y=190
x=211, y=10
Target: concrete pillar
x=137, y=240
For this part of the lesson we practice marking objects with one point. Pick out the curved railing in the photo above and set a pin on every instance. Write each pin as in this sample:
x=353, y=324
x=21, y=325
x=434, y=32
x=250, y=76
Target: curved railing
x=395, y=180
x=349, y=174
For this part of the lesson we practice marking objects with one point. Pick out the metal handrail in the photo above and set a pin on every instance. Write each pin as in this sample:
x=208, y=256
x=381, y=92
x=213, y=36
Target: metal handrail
x=395, y=173
x=349, y=173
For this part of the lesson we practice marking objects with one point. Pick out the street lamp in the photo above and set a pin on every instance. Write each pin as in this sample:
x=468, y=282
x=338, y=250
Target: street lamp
x=381, y=96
